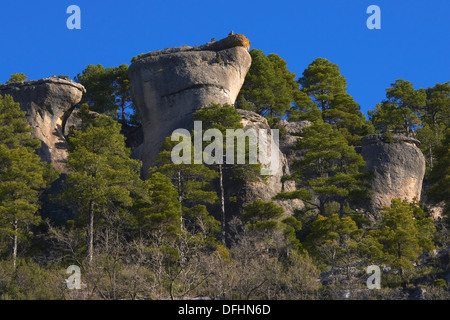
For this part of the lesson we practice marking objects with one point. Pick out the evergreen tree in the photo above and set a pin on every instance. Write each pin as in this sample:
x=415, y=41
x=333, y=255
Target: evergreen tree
x=17, y=77
x=345, y=115
x=107, y=90
x=160, y=211
x=405, y=233
x=222, y=118
x=400, y=111
x=101, y=172
x=335, y=240
x=22, y=174
x=269, y=87
x=193, y=184
x=435, y=118
x=265, y=217
x=440, y=176
x=329, y=170
x=321, y=81
x=324, y=84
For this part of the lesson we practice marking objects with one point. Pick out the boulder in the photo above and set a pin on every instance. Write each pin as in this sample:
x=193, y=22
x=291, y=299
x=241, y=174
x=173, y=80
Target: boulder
x=398, y=167
x=168, y=86
x=48, y=104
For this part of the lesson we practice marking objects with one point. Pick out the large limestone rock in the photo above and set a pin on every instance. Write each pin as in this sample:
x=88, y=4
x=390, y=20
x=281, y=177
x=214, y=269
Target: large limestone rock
x=251, y=191
x=398, y=166
x=167, y=86
x=48, y=103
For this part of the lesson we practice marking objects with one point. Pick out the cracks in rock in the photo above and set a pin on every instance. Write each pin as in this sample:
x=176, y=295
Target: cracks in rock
x=195, y=86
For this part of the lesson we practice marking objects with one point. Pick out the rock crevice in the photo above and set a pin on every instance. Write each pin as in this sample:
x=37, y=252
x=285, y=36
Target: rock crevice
x=48, y=104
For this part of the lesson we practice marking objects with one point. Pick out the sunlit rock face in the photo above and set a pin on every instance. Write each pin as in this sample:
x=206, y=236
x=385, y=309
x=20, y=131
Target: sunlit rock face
x=48, y=104
x=168, y=86
x=398, y=167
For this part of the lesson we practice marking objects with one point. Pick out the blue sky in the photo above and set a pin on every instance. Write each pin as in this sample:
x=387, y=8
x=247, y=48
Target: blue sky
x=413, y=43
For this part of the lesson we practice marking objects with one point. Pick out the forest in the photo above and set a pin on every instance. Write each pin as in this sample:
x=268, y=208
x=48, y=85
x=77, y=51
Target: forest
x=173, y=235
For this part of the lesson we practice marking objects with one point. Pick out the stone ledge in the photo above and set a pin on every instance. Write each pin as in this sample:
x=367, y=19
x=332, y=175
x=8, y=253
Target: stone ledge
x=53, y=80
x=397, y=138
x=235, y=40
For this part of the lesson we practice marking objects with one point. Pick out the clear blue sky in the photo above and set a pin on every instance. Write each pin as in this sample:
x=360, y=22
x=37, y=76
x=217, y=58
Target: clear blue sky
x=413, y=43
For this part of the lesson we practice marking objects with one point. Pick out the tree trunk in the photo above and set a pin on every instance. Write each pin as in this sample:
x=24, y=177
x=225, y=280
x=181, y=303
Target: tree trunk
x=15, y=241
x=90, y=233
x=123, y=109
x=222, y=202
x=431, y=157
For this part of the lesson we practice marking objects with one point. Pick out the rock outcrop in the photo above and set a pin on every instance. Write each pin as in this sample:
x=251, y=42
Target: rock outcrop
x=48, y=103
x=251, y=191
x=167, y=86
x=293, y=131
x=398, y=166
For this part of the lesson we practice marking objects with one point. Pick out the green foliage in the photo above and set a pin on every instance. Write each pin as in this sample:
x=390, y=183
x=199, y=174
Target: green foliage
x=101, y=173
x=435, y=117
x=261, y=211
x=269, y=87
x=29, y=281
x=405, y=232
x=193, y=185
x=329, y=169
x=14, y=130
x=265, y=217
x=400, y=111
x=321, y=81
x=17, y=77
x=23, y=175
x=161, y=213
x=440, y=176
x=107, y=90
x=334, y=239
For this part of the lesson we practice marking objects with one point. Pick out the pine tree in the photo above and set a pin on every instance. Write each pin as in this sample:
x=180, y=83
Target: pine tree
x=329, y=170
x=435, y=118
x=17, y=77
x=405, y=233
x=193, y=184
x=107, y=90
x=400, y=111
x=324, y=84
x=322, y=80
x=22, y=174
x=101, y=172
x=440, y=175
x=160, y=211
x=266, y=217
x=335, y=240
x=269, y=87
x=222, y=118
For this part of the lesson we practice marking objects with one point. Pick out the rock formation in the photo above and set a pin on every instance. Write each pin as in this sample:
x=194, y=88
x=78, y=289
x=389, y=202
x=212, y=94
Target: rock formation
x=167, y=86
x=398, y=167
x=48, y=103
x=293, y=131
x=251, y=191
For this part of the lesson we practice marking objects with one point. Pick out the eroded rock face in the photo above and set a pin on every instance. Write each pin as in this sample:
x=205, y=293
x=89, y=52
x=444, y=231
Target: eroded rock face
x=48, y=103
x=251, y=191
x=168, y=86
x=398, y=166
x=293, y=131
